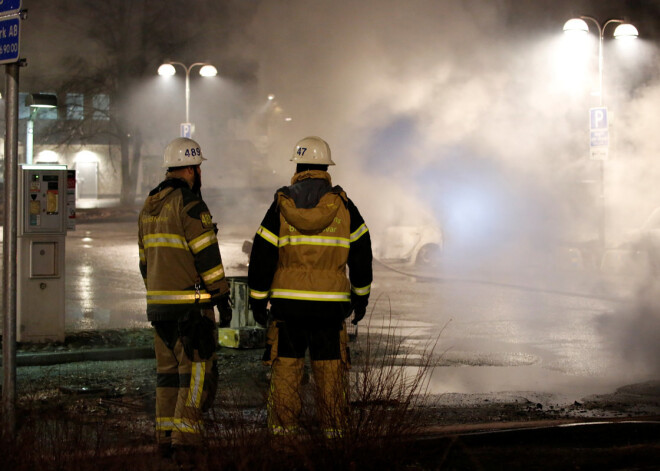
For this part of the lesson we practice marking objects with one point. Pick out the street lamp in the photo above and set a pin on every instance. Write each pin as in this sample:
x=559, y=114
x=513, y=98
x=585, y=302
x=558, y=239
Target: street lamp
x=206, y=70
x=35, y=101
x=578, y=26
x=600, y=137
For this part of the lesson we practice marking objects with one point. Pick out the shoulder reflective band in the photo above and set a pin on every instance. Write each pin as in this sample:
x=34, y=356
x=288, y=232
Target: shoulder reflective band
x=267, y=235
x=165, y=240
x=214, y=274
x=361, y=291
x=176, y=297
x=258, y=294
x=315, y=240
x=359, y=232
x=200, y=243
x=309, y=295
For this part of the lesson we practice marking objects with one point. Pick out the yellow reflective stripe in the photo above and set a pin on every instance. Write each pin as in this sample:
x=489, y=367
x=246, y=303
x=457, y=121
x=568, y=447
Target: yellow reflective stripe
x=214, y=274
x=165, y=240
x=196, y=384
x=176, y=297
x=361, y=291
x=283, y=430
x=165, y=423
x=143, y=259
x=315, y=240
x=267, y=235
x=359, y=232
x=179, y=424
x=200, y=243
x=258, y=294
x=310, y=295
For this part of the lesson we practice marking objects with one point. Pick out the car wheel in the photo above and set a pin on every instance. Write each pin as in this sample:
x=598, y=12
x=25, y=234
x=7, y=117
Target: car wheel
x=428, y=255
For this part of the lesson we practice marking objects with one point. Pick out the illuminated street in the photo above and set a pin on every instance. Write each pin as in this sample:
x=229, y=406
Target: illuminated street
x=544, y=336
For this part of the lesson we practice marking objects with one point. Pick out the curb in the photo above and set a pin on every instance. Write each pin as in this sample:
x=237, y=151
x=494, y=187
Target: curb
x=102, y=354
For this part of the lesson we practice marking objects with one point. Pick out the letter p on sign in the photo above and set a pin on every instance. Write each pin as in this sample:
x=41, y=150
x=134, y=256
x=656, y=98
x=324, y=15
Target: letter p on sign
x=598, y=118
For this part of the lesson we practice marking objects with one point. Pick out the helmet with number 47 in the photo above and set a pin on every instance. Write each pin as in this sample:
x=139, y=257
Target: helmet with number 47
x=312, y=150
x=182, y=152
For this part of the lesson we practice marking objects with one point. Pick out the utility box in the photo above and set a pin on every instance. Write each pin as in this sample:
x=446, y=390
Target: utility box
x=41, y=230
x=243, y=331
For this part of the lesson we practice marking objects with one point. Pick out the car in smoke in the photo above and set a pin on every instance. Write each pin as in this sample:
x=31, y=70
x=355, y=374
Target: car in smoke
x=415, y=245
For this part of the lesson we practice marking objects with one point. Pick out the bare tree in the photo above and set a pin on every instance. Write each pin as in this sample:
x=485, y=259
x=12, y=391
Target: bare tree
x=121, y=43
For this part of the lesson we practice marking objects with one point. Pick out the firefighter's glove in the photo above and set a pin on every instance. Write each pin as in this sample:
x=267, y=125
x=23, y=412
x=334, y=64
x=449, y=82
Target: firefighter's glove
x=196, y=333
x=224, y=308
x=259, y=311
x=359, y=306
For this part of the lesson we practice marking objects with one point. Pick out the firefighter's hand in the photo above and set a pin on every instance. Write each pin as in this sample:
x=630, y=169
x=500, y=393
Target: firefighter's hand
x=205, y=338
x=225, y=310
x=196, y=333
x=359, y=305
x=259, y=311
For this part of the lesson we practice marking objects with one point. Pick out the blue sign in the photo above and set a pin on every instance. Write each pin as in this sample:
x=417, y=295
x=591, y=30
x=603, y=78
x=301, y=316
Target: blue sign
x=598, y=118
x=599, y=134
x=9, y=6
x=9, y=35
x=186, y=130
x=599, y=138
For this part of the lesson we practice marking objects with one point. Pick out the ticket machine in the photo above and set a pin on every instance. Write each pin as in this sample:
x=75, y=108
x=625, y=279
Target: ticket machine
x=41, y=232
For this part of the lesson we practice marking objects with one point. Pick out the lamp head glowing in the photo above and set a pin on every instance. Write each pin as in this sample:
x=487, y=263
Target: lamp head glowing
x=576, y=26
x=166, y=70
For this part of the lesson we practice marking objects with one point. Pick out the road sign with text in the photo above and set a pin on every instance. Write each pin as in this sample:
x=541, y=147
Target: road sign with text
x=9, y=40
x=7, y=7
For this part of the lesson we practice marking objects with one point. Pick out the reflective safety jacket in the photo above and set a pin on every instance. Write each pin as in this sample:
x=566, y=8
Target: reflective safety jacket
x=311, y=233
x=179, y=255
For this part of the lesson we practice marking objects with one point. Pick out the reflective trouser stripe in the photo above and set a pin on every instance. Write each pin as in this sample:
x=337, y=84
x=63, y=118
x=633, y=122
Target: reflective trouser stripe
x=196, y=385
x=179, y=425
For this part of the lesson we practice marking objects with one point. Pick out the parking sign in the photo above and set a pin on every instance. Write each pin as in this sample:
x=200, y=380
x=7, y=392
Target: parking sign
x=186, y=130
x=599, y=134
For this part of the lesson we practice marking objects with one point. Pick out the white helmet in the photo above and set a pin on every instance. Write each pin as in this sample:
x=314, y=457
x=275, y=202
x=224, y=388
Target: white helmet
x=312, y=150
x=182, y=152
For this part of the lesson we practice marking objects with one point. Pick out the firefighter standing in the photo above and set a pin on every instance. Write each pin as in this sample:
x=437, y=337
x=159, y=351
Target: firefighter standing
x=183, y=274
x=309, y=235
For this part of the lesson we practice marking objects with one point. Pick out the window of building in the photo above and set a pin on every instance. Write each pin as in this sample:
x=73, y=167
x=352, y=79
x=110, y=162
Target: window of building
x=101, y=105
x=74, y=106
x=23, y=111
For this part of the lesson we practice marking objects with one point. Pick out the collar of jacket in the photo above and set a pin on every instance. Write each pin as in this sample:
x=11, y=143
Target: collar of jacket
x=311, y=174
x=311, y=220
x=173, y=183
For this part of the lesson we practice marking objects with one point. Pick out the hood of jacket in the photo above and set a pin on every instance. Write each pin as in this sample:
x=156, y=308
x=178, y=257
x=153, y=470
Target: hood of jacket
x=314, y=219
x=153, y=205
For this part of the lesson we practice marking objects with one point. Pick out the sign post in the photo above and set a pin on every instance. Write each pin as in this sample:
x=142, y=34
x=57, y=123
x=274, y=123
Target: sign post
x=9, y=42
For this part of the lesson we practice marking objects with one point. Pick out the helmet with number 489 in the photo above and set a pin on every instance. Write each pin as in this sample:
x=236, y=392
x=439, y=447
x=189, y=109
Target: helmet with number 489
x=312, y=150
x=182, y=152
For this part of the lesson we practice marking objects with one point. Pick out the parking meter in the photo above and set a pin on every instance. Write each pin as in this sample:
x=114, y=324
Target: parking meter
x=41, y=232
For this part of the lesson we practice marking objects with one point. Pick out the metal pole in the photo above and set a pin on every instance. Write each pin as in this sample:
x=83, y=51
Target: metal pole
x=9, y=254
x=188, y=93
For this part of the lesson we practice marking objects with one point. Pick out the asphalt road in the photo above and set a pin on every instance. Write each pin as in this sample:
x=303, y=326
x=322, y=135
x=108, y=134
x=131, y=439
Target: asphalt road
x=544, y=332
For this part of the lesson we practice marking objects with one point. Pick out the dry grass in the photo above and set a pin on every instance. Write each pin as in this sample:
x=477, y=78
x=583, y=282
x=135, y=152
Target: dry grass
x=388, y=391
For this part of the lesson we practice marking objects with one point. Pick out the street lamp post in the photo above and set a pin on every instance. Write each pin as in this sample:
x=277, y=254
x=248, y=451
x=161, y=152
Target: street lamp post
x=207, y=70
x=623, y=31
x=35, y=101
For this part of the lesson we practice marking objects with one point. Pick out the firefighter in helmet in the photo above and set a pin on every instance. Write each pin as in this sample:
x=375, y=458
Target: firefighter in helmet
x=309, y=236
x=182, y=270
